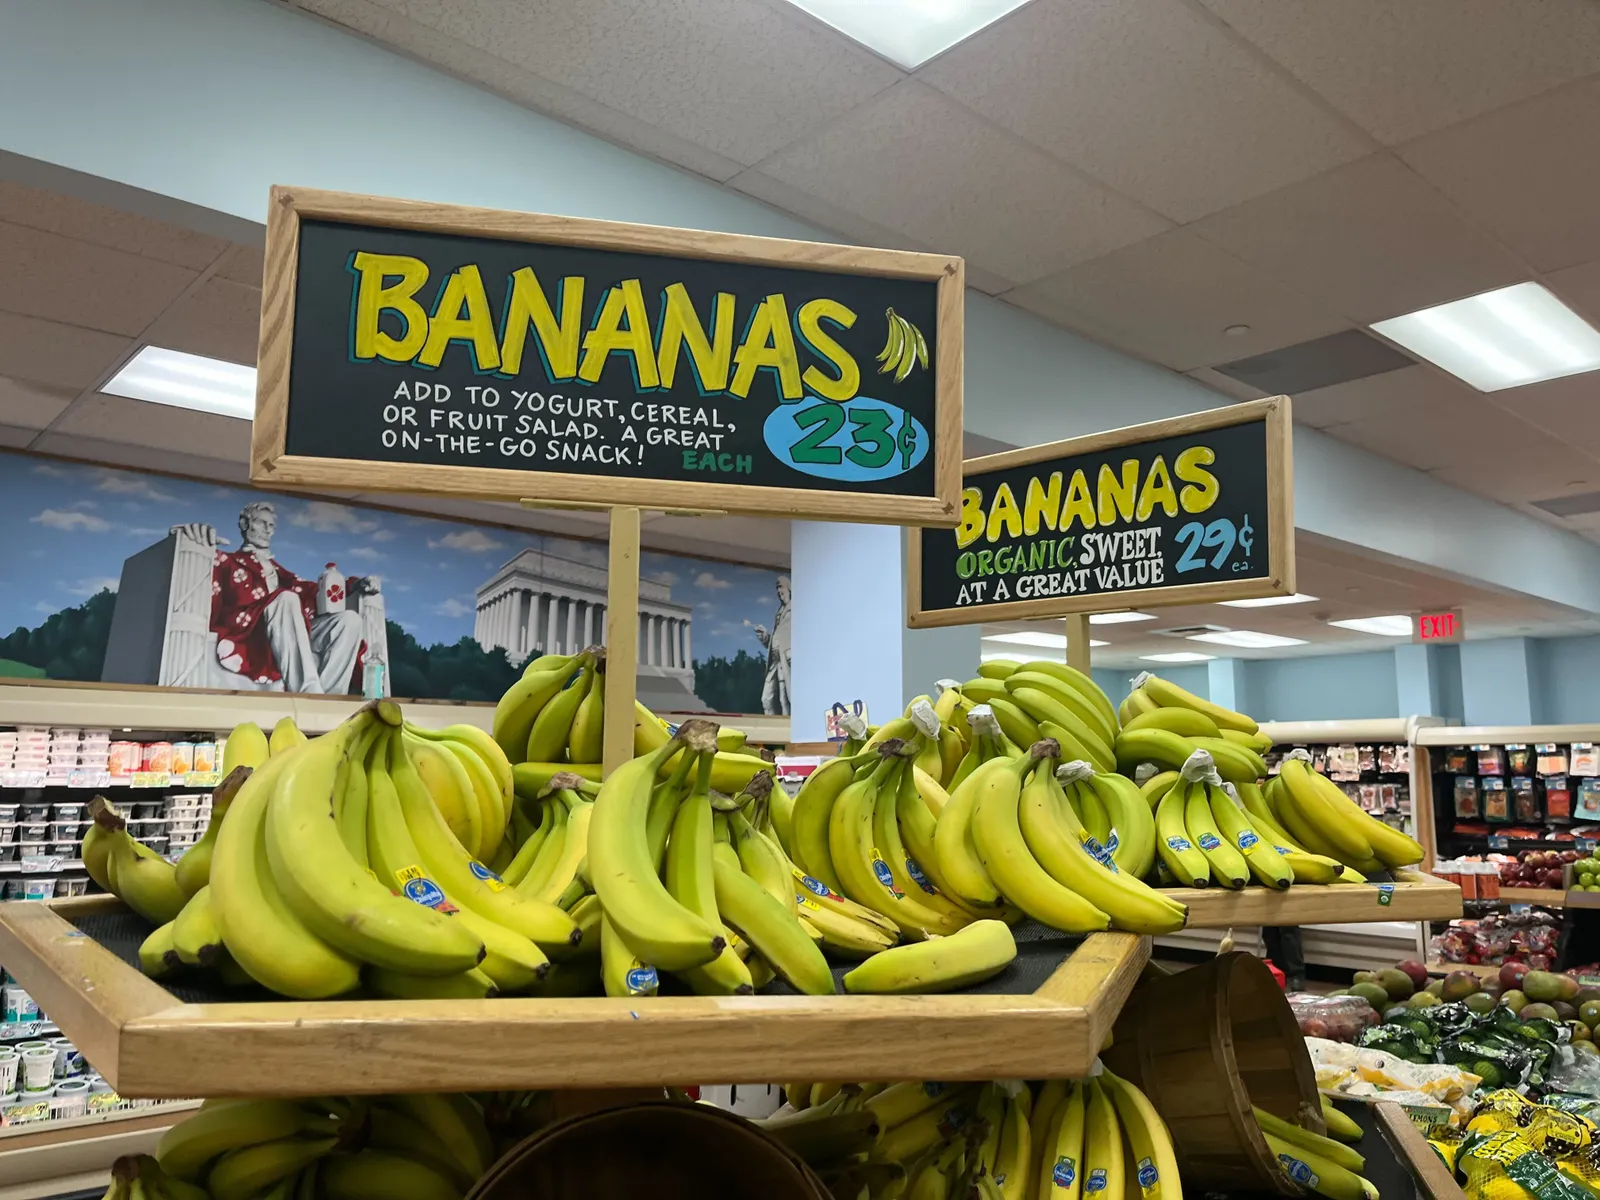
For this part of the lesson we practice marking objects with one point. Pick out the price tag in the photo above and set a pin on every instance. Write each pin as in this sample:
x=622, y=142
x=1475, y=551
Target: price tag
x=88, y=777
x=103, y=1101
x=1498, y=841
x=149, y=779
x=202, y=779
x=1385, y=895
x=1584, y=845
x=22, y=779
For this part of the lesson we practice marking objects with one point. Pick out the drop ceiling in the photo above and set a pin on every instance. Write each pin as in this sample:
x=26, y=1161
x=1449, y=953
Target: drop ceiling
x=1149, y=173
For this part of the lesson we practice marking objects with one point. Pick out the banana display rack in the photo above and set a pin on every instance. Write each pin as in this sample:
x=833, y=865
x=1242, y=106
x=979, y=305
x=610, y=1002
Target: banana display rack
x=1409, y=896
x=76, y=957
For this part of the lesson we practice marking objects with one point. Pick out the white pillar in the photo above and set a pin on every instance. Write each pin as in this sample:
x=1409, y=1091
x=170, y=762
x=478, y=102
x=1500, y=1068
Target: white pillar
x=658, y=640
x=496, y=611
x=688, y=654
x=676, y=634
x=672, y=642
x=600, y=624
x=572, y=626
x=550, y=623
x=477, y=624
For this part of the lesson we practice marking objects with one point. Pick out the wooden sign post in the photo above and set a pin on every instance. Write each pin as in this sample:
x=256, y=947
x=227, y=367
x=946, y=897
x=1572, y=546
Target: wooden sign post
x=431, y=348
x=1191, y=510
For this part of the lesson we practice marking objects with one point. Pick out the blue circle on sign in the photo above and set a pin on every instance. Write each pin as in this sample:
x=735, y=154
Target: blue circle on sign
x=425, y=892
x=859, y=440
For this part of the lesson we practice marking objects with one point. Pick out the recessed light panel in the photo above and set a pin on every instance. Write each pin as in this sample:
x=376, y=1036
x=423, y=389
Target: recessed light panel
x=1269, y=601
x=1502, y=339
x=908, y=32
x=1118, y=618
x=1398, y=625
x=1030, y=637
x=1177, y=656
x=187, y=381
x=1247, y=639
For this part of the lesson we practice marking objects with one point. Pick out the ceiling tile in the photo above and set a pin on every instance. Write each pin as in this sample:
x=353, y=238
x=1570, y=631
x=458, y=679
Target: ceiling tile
x=1376, y=396
x=1370, y=239
x=218, y=319
x=31, y=405
x=55, y=212
x=1150, y=97
x=519, y=86
x=914, y=160
x=244, y=264
x=1231, y=388
x=737, y=78
x=146, y=458
x=1403, y=69
x=15, y=437
x=1171, y=296
x=1321, y=362
x=157, y=426
x=1528, y=174
x=53, y=353
x=1523, y=470
x=1580, y=288
x=1565, y=408
x=63, y=279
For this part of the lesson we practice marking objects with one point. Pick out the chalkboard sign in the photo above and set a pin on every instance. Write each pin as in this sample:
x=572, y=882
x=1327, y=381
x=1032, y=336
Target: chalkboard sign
x=1192, y=510
x=431, y=348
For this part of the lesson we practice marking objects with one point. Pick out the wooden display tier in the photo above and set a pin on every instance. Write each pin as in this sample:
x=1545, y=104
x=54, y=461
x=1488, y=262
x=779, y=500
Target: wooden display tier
x=1414, y=896
x=150, y=1043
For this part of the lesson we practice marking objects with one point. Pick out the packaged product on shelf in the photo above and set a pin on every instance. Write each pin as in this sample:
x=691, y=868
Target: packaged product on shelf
x=1519, y=759
x=1557, y=798
x=1552, y=759
x=1466, y=794
x=205, y=757
x=1336, y=1018
x=1459, y=760
x=1525, y=801
x=1491, y=759
x=1588, y=805
x=157, y=758
x=1496, y=802
x=182, y=758
x=1585, y=759
x=123, y=759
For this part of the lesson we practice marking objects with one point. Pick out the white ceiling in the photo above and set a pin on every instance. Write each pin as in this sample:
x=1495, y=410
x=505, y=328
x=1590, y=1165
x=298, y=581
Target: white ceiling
x=1146, y=172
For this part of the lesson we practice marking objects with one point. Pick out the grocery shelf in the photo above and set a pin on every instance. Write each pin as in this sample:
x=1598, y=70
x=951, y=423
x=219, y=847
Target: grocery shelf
x=1318, y=733
x=1548, y=897
x=1505, y=735
x=1414, y=896
x=149, y=1043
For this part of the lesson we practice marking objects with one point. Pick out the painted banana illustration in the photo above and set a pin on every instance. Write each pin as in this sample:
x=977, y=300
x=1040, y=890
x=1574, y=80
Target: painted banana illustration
x=904, y=348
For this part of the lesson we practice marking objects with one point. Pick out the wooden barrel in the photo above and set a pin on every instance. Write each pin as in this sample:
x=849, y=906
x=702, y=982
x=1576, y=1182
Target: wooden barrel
x=666, y=1150
x=1207, y=1043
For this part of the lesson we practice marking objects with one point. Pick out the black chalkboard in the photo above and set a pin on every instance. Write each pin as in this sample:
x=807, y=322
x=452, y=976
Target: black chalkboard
x=534, y=362
x=1196, y=508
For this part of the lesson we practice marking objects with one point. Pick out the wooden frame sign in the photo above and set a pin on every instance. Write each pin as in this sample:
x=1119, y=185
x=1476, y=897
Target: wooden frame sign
x=1191, y=510
x=419, y=347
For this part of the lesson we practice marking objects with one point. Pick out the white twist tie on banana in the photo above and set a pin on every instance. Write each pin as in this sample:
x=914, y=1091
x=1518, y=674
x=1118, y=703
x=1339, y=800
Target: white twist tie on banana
x=944, y=685
x=982, y=720
x=1233, y=793
x=1298, y=752
x=1074, y=772
x=925, y=719
x=1145, y=772
x=1138, y=680
x=1199, y=768
x=854, y=725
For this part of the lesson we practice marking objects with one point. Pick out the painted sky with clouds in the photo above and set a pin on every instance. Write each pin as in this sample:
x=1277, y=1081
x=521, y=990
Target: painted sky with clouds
x=66, y=528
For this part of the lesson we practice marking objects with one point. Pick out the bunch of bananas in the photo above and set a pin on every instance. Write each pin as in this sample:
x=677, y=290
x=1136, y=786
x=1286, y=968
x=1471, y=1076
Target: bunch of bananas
x=904, y=348
x=1323, y=1165
x=995, y=1141
x=406, y=1147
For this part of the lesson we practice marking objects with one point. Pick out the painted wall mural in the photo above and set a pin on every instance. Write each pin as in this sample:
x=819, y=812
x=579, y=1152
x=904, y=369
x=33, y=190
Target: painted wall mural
x=134, y=578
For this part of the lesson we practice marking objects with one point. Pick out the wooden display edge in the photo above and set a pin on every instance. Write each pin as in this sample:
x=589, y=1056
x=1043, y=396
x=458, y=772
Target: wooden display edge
x=1414, y=896
x=149, y=1045
x=1432, y=1178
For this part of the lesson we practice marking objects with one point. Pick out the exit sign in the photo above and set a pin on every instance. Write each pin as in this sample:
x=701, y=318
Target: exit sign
x=1441, y=626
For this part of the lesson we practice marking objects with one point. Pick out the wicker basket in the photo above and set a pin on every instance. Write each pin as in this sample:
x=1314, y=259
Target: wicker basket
x=1207, y=1043
x=664, y=1150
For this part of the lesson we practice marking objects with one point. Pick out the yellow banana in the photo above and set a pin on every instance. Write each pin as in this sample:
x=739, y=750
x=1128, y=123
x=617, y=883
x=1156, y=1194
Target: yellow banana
x=515, y=713
x=1186, y=861
x=451, y=792
x=1104, y=1168
x=1154, y=1163
x=552, y=728
x=1264, y=859
x=587, y=740
x=1227, y=864
x=246, y=746
x=1185, y=722
x=285, y=735
x=980, y=951
x=196, y=937
x=957, y=856
x=1169, y=695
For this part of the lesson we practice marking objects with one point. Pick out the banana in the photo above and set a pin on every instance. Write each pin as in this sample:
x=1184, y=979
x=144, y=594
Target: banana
x=1256, y=808
x=1056, y=839
x=485, y=786
x=515, y=713
x=193, y=870
x=952, y=748
x=1015, y=1152
x=1186, y=861
x=195, y=936
x=285, y=735
x=1081, y=683
x=450, y=789
x=249, y=1170
x=730, y=773
x=1227, y=864
x=529, y=779
x=623, y=870
x=1092, y=715
x=554, y=818
x=1312, y=1171
x=1009, y=862
x=144, y=880
x=349, y=799
x=761, y=860
x=1185, y=722
x=96, y=848
x=1104, y=1168
x=767, y=925
x=398, y=985
x=954, y=850
x=1154, y=1163
x=1061, y=1167
x=813, y=806
x=953, y=1111
x=468, y=882
x=585, y=743
x=1157, y=786
x=1133, y=824
x=780, y=810
x=1308, y=807
x=187, y=1148
x=1265, y=861
x=1170, y=695
x=481, y=744
x=157, y=954
x=552, y=728
x=456, y=1121
x=808, y=888
x=1045, y=708
x=1160, y=746
x=397, y=1132
x=690, y=880
x=1335, y=1152
x=375, y=1175
x=547, y=884
x=890, y=851
x=1313, y=868
x=338, y=898
x=980, y=951
x=245, y=746
x=845, y=936
x=1339, y=1123
x=1236, y=764
x=982, y=690
x=1014, y=722
x=621, y=971
x=918, y=829
x=1390, y=846
x=894, y=345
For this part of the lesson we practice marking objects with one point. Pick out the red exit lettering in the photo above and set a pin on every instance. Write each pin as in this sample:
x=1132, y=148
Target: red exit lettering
x=1440, y=627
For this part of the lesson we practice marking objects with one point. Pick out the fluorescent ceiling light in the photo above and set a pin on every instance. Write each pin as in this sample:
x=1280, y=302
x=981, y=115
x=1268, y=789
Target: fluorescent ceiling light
x=1051, y=656
x=1118, y=618
x=1502, y=339
x=1177, y=656
x=1028, y=637
x=187, y=381
x=1393, y=626
x=1247, y=638
x=1269, y=601
x=908, y=32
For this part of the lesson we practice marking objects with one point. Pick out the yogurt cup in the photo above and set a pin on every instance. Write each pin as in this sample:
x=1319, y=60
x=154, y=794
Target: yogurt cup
x=38, y=1070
